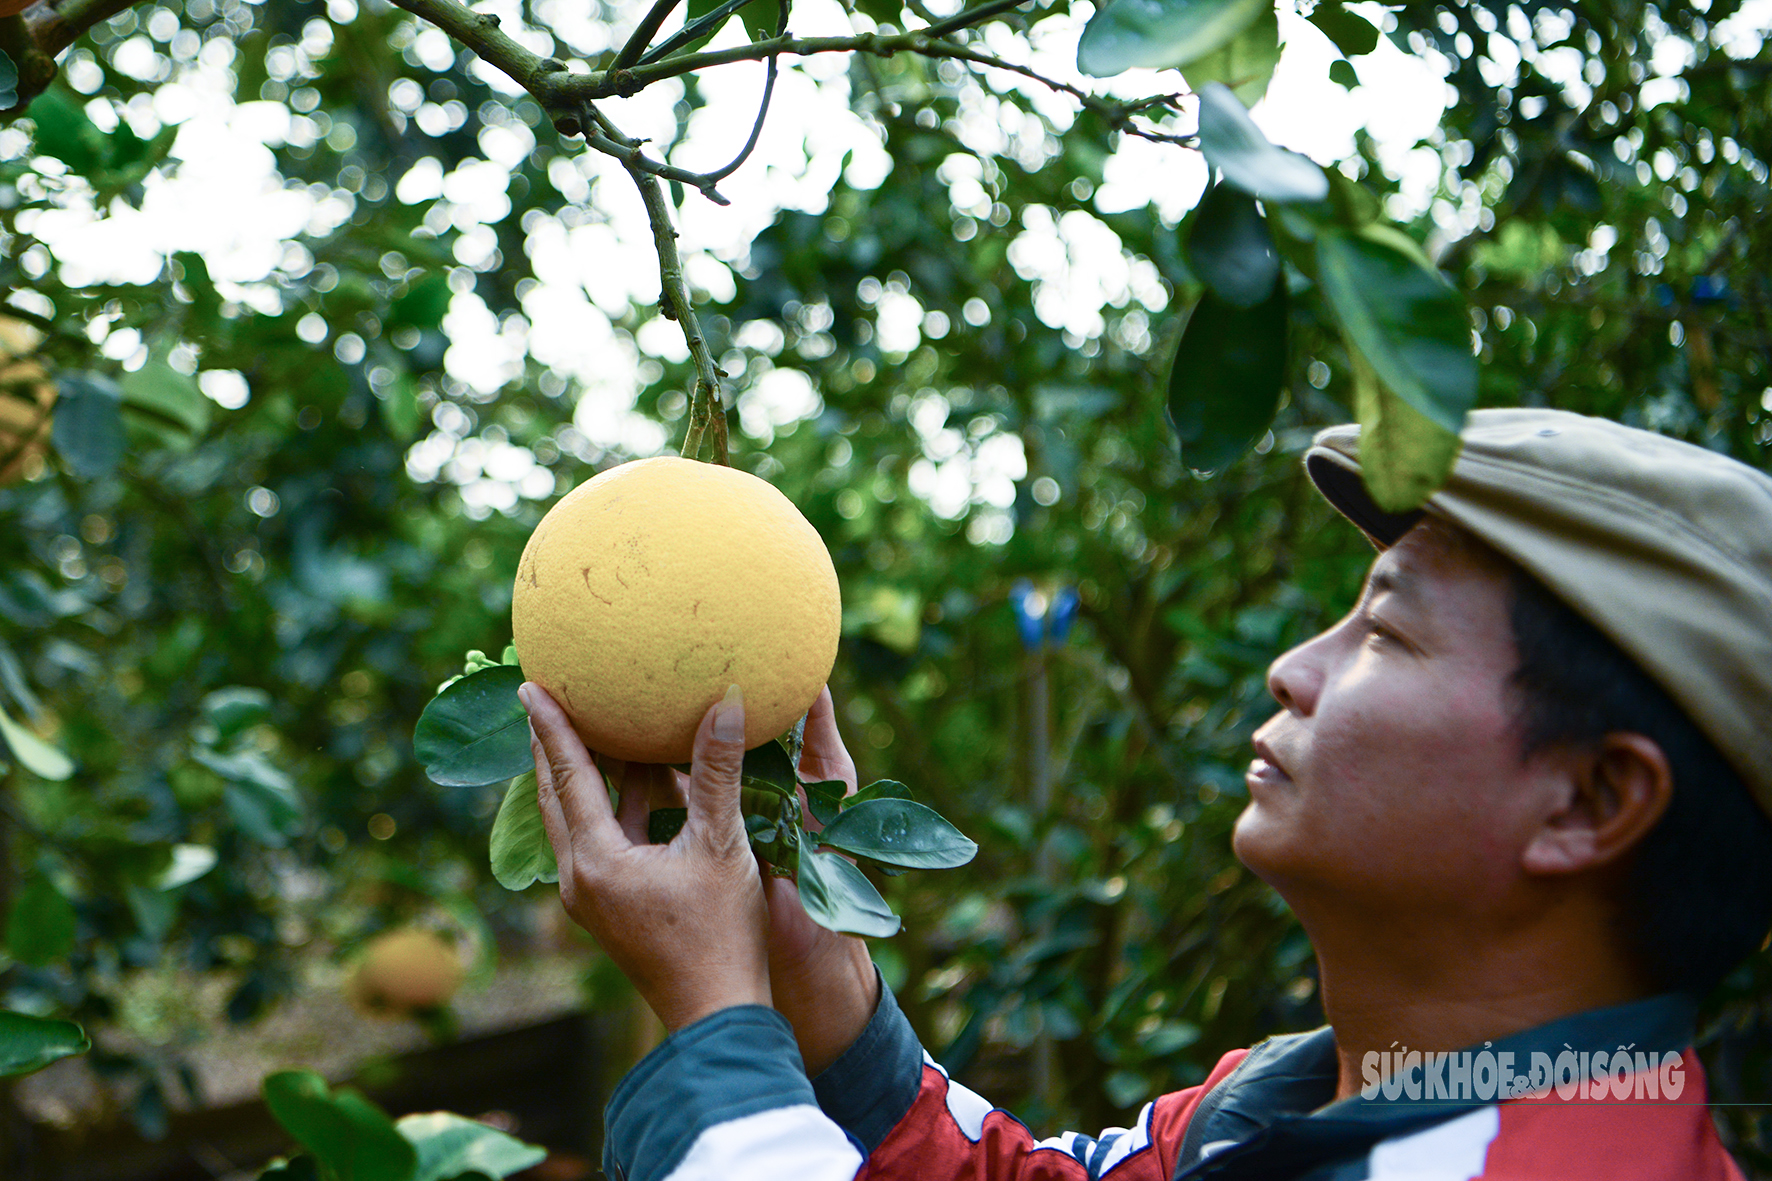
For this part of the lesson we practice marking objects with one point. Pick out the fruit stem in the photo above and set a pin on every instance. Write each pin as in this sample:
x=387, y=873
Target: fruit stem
x=707, y=410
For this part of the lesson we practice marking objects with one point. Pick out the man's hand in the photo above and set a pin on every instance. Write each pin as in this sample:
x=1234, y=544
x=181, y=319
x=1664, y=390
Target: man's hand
x=687, y=921
x=823, y=982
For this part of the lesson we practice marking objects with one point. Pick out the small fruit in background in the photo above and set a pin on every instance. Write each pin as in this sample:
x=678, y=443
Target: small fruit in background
x=405, y=971
x=27, y=399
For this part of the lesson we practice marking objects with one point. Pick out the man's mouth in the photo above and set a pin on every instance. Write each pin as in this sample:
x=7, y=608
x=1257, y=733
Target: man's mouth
x=1265, y=770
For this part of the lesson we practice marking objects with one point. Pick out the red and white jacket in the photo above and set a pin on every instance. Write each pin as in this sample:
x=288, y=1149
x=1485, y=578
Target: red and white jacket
x=1610, y=1095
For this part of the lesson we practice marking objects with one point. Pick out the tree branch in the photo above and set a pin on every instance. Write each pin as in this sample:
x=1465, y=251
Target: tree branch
x=643, y=34
x=707, y=411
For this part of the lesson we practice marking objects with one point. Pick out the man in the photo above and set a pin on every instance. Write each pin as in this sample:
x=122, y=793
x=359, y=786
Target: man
x=1511, y=797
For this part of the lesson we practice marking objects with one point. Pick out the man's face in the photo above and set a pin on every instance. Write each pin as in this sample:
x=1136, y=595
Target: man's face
x=1391, y=779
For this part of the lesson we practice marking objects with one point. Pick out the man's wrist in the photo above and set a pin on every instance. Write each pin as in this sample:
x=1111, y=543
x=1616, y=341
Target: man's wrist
x=829, y=1017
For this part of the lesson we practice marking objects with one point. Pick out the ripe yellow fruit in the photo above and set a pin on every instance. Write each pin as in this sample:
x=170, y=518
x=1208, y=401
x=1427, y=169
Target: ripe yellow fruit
x=404, y=971
x=27, y=397
x=650, y=589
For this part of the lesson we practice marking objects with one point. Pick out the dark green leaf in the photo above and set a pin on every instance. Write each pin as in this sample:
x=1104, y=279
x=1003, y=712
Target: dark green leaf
x=423, y=305
x=88, y=429
x=475, y=732
x=32, y=753
x=8, y=83
x=64, y=131
x=160, y=390
x=1160, y=34
x=825, y=799
x=1404, y=456
x=1342, y=74
x=399, y=407
x=879, y=789
x=521, y=854
x=350, y=1136
x=1231, y=249
x=1353, y=34
x=1407, y=321
x=840, y=898
x=234, y=708
x=663, y=824
x=899, y=832
x=450, y=1147
x=1245, y=63
x=1235, y=146
x=1225, y=383
x=40, y=928
x=302, y=1168
x=768, y=765
x=30, y=1043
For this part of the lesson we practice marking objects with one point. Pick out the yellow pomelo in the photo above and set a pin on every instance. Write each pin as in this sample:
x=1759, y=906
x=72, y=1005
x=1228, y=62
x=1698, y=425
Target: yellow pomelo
x=650, y=589
x=405, y=970
x=27, y=399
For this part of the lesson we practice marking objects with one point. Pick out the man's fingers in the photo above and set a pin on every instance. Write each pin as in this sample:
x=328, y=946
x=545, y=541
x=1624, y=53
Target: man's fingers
x=823, y=757
x=552, y=819
x=714, y=775
x=564, y=771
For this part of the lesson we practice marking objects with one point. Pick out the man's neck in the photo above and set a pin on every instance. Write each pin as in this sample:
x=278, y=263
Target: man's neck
x=1458, y=994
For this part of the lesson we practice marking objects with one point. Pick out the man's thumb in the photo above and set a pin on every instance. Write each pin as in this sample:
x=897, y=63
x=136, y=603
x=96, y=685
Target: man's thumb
x=719, y=759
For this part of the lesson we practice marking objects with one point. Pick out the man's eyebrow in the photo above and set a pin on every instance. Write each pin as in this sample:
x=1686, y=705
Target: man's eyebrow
x=1394, y=579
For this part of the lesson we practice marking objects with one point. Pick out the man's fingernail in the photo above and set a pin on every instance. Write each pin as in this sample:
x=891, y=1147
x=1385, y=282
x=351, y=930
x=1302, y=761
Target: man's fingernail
x=526, y=695
x=729, y=718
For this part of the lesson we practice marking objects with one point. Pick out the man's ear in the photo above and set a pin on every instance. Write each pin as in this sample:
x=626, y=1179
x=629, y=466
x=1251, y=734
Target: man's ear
x=1618, y=789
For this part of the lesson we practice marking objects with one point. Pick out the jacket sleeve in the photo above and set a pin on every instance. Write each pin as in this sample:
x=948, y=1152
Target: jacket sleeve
x=913, y=1122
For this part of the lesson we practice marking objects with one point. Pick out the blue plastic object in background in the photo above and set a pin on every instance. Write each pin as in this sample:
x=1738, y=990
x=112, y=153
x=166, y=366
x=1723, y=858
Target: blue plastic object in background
x=1040, y=621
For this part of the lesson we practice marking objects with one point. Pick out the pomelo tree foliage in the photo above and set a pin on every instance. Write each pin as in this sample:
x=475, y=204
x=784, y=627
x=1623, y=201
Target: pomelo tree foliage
x=229, y=590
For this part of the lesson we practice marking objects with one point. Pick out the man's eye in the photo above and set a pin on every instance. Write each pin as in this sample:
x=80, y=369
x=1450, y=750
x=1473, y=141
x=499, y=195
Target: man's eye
x=1378, y=633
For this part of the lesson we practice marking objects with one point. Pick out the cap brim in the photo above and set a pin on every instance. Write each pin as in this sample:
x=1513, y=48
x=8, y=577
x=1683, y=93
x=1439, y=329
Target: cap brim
x=1338, y=478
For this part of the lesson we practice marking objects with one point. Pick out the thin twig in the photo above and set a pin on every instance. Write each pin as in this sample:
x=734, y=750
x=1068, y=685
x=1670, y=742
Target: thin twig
x=762, y=108
x=701, y=27
x=966, y=18
x=707, y=412
x=643, y=34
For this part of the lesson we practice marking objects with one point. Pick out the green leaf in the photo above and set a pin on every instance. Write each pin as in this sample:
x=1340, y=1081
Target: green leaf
x=1353, y=34
x=64, y=131
x=351, y=1137
x=1245, y=63
x=879, y=789
x=423, y=305
x=8, y=83
x=234, y=708
x=1404, y=456
x=33, y=754
x=475, y=732
x=521, y=854
x=1235, y=146
x=399, y=408
x=1231, y=249
x=1407, y=321
x=825, y=799
x=899, y=832
x=261, y=798
x=768, y=765
x=30, y=1043
x=159, y=390
x=1160, y=34
x=186, y=865
x=1342, y=73
x=40, y=929
x=840, y=898
x=1225, y=382
x=88, y=430
x=302, y=1168
x=450, y=1147
x=663, y=824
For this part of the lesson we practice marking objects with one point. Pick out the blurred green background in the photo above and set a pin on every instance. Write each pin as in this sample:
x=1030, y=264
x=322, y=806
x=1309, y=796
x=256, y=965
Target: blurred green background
x=232, y=623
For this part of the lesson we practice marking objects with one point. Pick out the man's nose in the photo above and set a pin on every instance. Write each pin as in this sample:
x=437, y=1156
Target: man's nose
x=1295, y=678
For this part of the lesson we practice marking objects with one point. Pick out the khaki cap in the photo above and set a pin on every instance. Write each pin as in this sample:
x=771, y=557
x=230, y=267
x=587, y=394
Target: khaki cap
x=1664, y=546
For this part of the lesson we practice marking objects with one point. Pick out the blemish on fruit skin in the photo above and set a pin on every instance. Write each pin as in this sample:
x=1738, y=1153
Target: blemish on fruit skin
x=587, y=575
